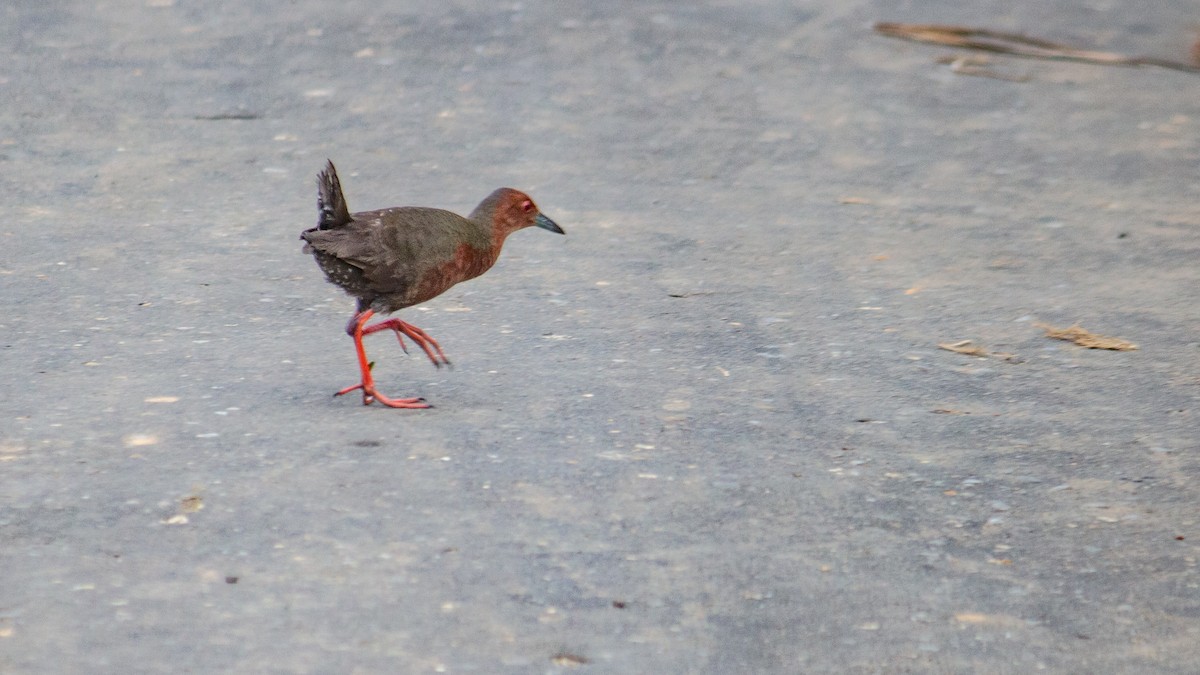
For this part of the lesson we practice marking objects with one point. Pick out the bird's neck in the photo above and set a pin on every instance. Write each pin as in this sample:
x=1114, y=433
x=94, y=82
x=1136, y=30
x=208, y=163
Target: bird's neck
x=477, y=257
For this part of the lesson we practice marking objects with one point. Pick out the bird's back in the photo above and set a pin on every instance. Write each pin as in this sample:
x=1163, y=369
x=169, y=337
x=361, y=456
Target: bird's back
x=397, y=257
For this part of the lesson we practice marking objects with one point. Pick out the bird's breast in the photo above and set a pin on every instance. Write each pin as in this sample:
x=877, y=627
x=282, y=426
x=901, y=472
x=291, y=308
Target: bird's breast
x=468, y=262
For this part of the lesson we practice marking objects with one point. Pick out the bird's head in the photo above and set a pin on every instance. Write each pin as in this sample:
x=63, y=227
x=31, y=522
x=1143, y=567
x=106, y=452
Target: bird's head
x=509, y=210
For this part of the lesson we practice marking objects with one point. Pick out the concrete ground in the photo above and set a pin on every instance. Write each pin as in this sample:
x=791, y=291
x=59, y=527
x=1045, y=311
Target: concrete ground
x=708, y=431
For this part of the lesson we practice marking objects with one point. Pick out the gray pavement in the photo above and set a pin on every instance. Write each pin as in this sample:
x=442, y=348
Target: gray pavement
x=708, y=431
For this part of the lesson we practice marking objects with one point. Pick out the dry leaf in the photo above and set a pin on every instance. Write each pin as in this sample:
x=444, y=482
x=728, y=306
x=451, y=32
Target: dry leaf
x=966, y=347
x=568, y=659
x=1086, y=338
x=963, y=347
x=1014, y=43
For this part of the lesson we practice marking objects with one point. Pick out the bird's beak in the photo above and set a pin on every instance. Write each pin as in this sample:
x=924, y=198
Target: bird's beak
x=547, y=224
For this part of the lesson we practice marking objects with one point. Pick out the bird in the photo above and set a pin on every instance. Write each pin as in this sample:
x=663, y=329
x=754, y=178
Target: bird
x=398, y=257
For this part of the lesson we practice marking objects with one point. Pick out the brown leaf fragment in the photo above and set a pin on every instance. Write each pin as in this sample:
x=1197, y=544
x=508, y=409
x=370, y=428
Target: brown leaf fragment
x=568, y=659
x=1085, y=338
x=970, y=349
x=1001, y=42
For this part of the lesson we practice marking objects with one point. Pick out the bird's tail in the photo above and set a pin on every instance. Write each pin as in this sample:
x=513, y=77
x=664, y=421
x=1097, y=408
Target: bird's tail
x=330, y=201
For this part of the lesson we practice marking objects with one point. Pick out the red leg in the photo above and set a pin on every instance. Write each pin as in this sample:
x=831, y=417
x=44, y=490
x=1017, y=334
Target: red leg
x=368, y=382
x=432, y=349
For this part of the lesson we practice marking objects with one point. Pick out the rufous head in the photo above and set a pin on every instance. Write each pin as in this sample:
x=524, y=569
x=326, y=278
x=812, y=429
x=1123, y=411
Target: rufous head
x=509, y=210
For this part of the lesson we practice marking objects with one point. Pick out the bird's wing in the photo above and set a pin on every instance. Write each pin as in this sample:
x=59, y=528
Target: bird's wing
x=386, y=265
x=395, y=248
x=408, y=242
x=341, y=243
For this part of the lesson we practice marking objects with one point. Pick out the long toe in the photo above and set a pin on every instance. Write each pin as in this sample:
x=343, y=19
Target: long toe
x=370, y=396
x=347, y=390
x=417, y=403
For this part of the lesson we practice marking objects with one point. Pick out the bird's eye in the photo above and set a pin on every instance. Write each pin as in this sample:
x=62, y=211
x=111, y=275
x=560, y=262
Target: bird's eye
x=527, y=206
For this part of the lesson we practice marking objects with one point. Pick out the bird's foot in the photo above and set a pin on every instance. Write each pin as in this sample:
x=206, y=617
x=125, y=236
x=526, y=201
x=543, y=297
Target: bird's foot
x=427, y=344
x=370, y=396
x=367, y=384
